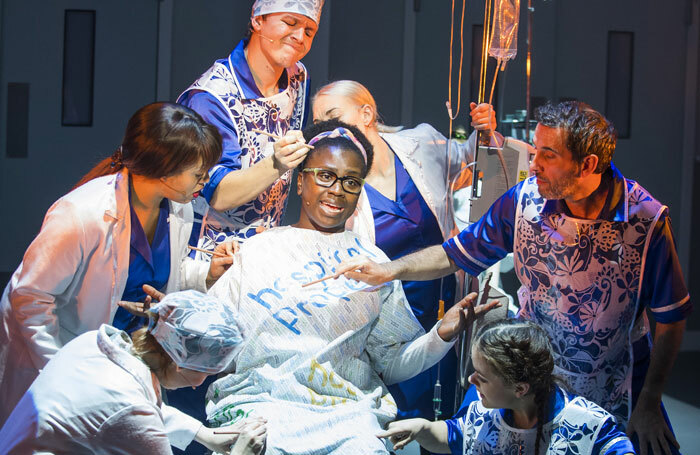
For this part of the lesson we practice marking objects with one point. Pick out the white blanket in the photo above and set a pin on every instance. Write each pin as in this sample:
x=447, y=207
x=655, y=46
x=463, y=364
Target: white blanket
x=313, y=358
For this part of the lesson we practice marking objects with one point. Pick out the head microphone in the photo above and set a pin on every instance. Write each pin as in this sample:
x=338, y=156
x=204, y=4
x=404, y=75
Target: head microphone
x=183, y=193
x=263, y=36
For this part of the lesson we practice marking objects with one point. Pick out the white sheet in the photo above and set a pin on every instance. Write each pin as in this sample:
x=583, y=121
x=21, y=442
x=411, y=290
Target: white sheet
x=312, y=357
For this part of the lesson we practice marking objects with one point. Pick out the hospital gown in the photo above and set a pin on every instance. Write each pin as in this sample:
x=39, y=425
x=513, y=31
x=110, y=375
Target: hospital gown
x=315, y=360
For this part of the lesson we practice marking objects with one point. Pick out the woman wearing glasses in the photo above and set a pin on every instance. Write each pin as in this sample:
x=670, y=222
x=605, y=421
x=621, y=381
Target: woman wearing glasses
x=315, y=358
x=404, y=208
x=126, y=224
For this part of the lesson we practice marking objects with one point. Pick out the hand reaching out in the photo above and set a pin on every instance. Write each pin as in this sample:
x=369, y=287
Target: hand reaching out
x=364, y=269
x=136, y=308
x=402, y=432
x=139, y=309
x=462, y=315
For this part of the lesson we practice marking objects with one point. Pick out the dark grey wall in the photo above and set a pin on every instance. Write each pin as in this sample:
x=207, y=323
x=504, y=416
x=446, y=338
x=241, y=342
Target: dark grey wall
x=203, y=31
x=369, y=48
x=652, y=155
x=31, y=52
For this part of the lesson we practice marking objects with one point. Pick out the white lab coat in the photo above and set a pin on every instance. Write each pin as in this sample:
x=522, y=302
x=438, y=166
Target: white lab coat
x=72, y=276
x=423, y=152
x=93, y=396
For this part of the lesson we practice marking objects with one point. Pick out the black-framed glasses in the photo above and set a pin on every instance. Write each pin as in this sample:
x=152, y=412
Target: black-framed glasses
x=326, y=178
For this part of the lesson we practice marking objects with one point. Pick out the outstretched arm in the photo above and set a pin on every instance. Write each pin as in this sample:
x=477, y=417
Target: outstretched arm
x=425, y=351
x=427, y=264
x=665, y=295
x=430, y=435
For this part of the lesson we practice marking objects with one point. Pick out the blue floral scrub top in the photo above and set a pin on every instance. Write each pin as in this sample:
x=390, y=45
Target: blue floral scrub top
x=610, y=440
x=214, y=113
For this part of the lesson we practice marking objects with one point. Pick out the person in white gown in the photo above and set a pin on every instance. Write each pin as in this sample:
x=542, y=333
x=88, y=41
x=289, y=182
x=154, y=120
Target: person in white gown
x=101, y=392
x=316, y=360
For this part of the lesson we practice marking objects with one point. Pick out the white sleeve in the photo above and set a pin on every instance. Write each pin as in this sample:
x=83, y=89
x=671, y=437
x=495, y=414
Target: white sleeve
x=134, y=429
x=193, y=274
x=48, y=268
x=462, y=152
x=397, y=346
x=417, y=356
x=180, y=428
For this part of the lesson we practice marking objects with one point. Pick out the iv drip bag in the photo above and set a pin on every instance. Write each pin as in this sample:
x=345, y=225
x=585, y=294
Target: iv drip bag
x=504, y=33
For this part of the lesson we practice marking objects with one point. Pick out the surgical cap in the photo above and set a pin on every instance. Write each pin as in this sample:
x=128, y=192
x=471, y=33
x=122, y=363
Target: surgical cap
x=308, y=8
x=198, y=331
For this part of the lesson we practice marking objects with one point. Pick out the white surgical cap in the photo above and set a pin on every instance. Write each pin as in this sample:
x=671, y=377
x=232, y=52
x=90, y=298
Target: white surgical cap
x=308, y=8
x=198, y=331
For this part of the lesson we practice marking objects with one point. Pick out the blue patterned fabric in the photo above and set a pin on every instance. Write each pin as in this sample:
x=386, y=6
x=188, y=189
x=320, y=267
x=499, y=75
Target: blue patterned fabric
x=402, y=227
x=308, y=8
x=227, y=97
x=663, y=289
x=340, y=132
x=148, y=264
x=587, y=282
x=581, y=282
x=575, y=426
x=198, y=331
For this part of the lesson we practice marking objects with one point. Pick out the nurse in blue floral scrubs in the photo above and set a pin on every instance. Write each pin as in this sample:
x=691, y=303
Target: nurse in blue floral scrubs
x=522, y=409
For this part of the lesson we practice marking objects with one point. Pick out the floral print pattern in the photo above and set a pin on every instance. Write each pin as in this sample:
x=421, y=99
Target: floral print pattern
x=277, y=115
x=308, y=8
x=581, y=282
x=197, y=331
x=574, y=431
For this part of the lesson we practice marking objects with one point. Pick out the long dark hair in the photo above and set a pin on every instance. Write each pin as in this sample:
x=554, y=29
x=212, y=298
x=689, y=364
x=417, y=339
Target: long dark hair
x=520, y=351
x=162, y=139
